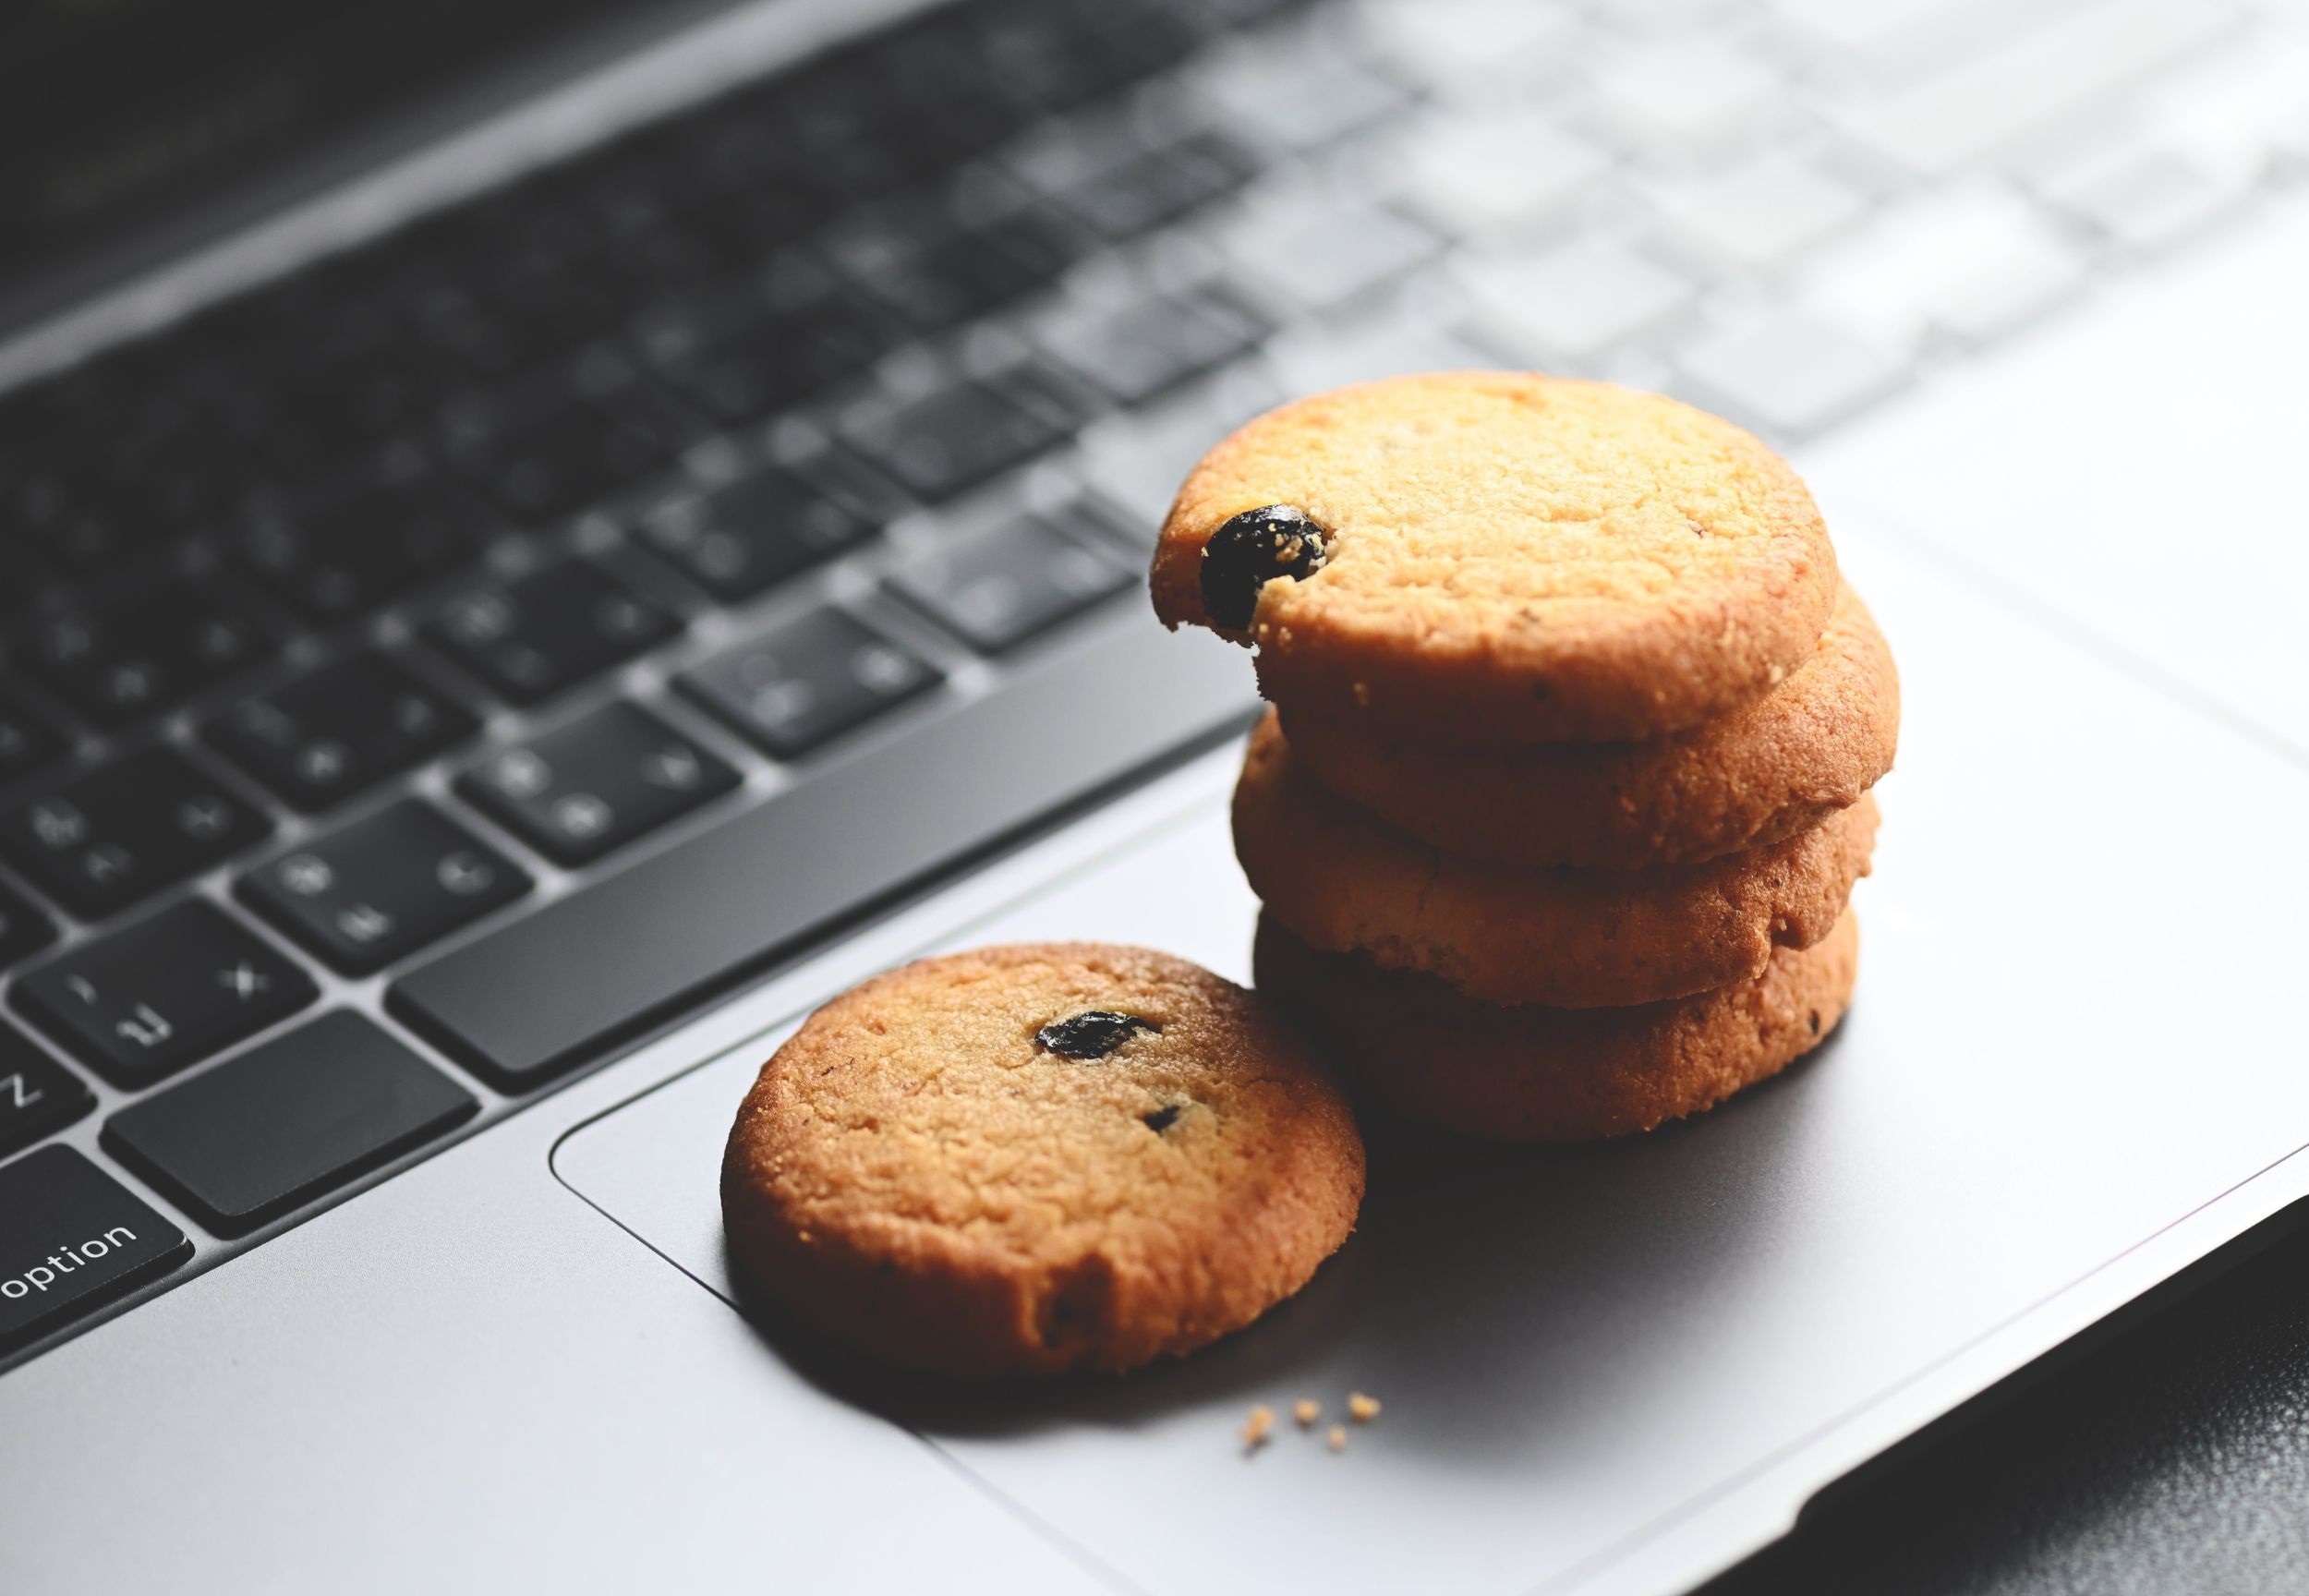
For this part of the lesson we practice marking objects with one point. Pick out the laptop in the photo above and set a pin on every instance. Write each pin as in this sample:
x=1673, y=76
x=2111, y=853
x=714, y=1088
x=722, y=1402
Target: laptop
x=540, y=542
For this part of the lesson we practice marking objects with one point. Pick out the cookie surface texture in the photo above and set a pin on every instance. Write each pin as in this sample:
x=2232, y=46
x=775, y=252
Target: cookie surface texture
x=1758, y=774
x=1511, y=558
x=1416, y=1048
x=1343, y=882
x=1040, y=1158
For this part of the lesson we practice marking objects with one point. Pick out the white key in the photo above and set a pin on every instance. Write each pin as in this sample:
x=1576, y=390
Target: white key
x=2146, y=196
x=1683, y=94
x=1571, y=303
x=1479, y=175
x=1318, y=253
x=1291, y=103
x=1972, y=262
x=1756, y=215
x=1898, y=40
x=1314, y=360
x=1787, y=373
x=1454, y=47
x=2049, y=72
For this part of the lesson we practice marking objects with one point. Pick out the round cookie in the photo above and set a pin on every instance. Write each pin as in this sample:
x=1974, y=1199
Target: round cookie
x=1756, y=774
x=1500, y=558
x=1033, y=1159
x=1416, y=1048
x=1343, y=882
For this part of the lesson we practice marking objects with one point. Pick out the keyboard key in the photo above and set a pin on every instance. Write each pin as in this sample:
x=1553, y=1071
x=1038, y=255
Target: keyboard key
x=27, y=741
x=71, y=1238
x=744, y=351
x=560, y=985
x=121, y=663
x=1154, y=187
x=934, y=273
x=1989, y=103
x=744, y=538
x=339, y=728
x=1002, y=584
x=166, y=992
x=37, y=1095
x=1788, y=372
x=24, y=930
x=1314, y=360
x=1136, y=348
x=1973, y=262
x=104, y=839
x=937, y=445
x=1678, y=96
x=374, y=893
x=2146, y=196
x=1573, y=302
x=1457, y=47
x=1758, y=215
x=1319, y=253
x=557, y=442
x=807, y=680
x=533, y=635
x=596, y=784
x=355, y=553
x=1495, y=172
x=287, y=1122
x=1326, y=100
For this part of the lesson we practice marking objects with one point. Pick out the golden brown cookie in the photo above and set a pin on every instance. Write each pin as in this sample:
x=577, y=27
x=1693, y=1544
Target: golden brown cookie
x=1499, y=558
x=1343, y=881
x=1033, y=1159
x=1415, y=1048
x=1756, y=774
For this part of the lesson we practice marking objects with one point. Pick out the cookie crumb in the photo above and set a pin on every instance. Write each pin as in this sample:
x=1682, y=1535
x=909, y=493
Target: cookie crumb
x=1255, y=1428
x=1336, y=1440
x=1307, y=1410
x=1361, y=1408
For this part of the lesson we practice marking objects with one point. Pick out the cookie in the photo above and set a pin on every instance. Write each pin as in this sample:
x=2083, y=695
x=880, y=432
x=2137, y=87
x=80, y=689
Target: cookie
x=1418, y=1049
x=1028, y=1160
x=1497, y=557
x=1343, y=881
x=1756, y=774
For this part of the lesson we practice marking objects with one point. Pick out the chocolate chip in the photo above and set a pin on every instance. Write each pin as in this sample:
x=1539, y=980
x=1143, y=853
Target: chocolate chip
x=1162, y=1118
x=1090, y=1035
x=1815, y=1021
x=1251, y=549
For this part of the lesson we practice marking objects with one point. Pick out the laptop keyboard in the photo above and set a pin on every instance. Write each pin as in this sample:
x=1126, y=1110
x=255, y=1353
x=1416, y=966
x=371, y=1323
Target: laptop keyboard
x=381, y=645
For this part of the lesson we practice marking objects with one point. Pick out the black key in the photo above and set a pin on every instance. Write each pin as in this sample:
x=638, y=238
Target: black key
x=71, y=1238
x=557, y=442
x=333, y=731
x=37, y=1095
x=808, y=679
x=164, y=993
x=572, y=977
x=938, y=444
x=361, y=550
x=743, y=353
x=381, y=888
x=596, y=784
x=27, y=740
x=998, y=586
x=1159, y=186
x=941, y=273
x=530, y=636
x=107, y=838
x=287, y=1123
x=1134, y=349
x=744, y=538
x=24, y=930
x=121, y=663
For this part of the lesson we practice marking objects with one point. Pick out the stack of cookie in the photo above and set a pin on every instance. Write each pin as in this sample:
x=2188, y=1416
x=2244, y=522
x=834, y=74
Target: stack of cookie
x=1566, y=784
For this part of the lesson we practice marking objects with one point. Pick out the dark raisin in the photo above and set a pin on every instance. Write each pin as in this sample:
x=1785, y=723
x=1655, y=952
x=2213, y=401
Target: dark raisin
x=1162, y=1118
x=1092, y=1035
x=1815, y=1021
x=1251, y=550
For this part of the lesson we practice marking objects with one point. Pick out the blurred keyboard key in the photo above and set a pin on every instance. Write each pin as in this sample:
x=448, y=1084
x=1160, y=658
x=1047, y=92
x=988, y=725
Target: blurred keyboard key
x=337, y=728
x=589, y=788
x=1138, y=460
x=529, y=636
x=1759, y=214
x=1133, y=349
x=1684, y=96
x=808, y=679
x=2146, y=196
x=1155, y=187
x=1972, y=262
x=1496, y=171
x=107, y=838
x=28, y=740
x=37, y=1095
x=24, y=930
x=118, y=664
x=124, y=1242
x=557, y=442
x=1461, y=47
x=362, y=549
x=1319, y=99
x=998, y=586
x=375, y=891
x=937, y=445
x=745, y=538
x=1572, y=302
x=1309, y=360
x=1787, y=373
x=1319, y=253
x=166, y=992
x=285, y=1123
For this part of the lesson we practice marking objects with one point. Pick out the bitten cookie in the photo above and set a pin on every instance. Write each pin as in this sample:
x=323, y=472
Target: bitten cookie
x=1756, y=774
x=1342, y=882
x=1495, y=558
x=1033, y=1159
x=1415, y=1048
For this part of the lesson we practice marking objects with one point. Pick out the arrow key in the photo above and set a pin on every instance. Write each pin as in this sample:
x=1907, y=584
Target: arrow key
x=596, y=784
